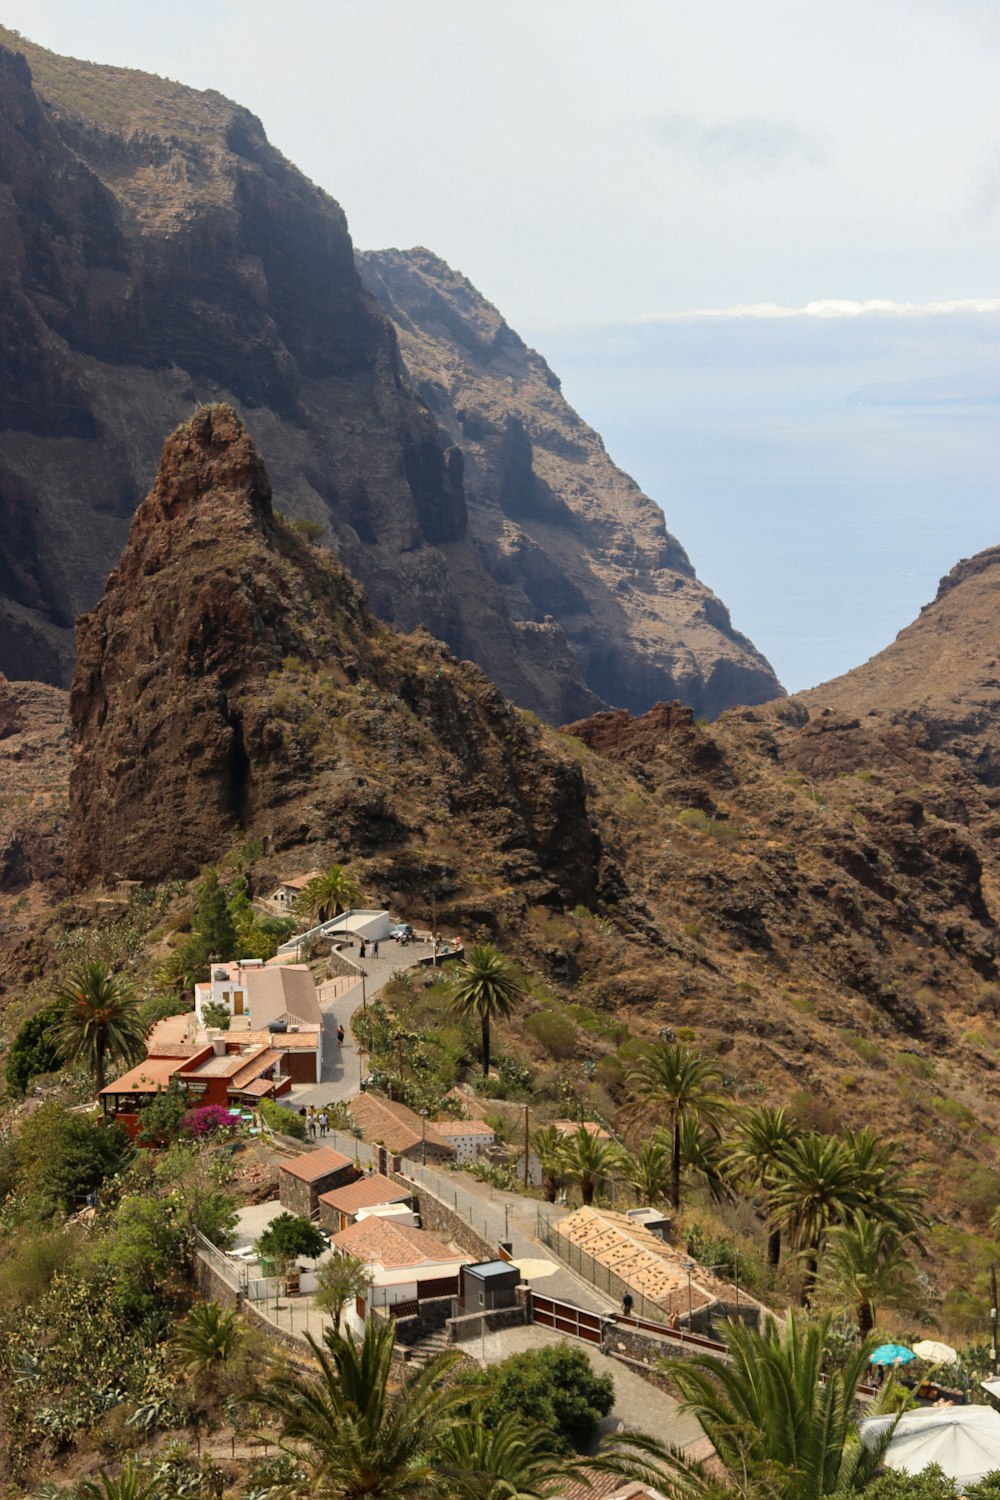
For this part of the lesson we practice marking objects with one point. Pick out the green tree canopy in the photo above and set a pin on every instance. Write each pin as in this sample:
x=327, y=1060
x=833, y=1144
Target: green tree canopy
x=554, y=1388
x=33, y=1050
x=288, y=1236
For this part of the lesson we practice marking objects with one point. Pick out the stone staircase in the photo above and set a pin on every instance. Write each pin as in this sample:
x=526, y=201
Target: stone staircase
x=424, y=1350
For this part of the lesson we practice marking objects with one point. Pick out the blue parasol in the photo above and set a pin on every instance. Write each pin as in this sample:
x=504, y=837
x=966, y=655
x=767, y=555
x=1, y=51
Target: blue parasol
x=892, y=1354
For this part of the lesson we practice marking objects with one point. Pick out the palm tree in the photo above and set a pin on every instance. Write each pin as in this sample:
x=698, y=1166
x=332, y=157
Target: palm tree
x=360, y=1440
x=815, y=1186
x=770, y=1418
x=647, y=1173
x=588, y=1159
x=866, y=1264
x=547, y=1144
x=486, y=986
x=98, y=1019
x=701, y=1156
x=208, y=1337
x=502, y=1460
x=328, y=894
x=757, y=1145
x=673, y=1078
x=883, y=1190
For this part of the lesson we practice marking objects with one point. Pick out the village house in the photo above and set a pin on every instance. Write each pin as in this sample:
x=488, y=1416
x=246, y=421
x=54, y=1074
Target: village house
x=277, y=1000
x=303, y=1178
x=339, y=1207
x=220, y=1072
x=469, y=1137
x=289, y=890
x=405, y=1134
x=405, y=1265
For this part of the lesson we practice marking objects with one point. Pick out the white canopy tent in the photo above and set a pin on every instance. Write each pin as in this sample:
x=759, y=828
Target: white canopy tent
x=963, y=1440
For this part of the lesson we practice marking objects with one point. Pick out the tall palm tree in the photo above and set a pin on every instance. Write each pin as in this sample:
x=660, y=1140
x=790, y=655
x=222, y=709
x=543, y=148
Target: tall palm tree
x=547, y=1144
x=883, y=1188
x=588, y=1159
x=328, y=894
x=771, y=1419
x=866, y=1264
x=757, y=1145
x=672, y=1078
x=486, y=986
x=360, y=1438
x=647, y=1172
x=815, y=1186
x=98, y=1019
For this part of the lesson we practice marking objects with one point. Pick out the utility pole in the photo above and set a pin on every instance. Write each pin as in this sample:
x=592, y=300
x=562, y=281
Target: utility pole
x=526, y=1147
x=993, y=1318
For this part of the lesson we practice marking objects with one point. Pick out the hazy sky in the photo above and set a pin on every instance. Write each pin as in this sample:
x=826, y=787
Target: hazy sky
x=598, y=167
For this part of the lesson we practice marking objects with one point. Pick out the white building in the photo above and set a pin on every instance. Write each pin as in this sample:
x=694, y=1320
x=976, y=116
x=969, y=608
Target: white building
x=469, y=1137
x=280, y=1000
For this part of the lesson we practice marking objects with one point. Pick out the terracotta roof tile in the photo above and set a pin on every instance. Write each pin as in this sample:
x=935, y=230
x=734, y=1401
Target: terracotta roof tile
x=312, y=1165
x=367, y=1192
x=394, y=1125
x=394, y=1245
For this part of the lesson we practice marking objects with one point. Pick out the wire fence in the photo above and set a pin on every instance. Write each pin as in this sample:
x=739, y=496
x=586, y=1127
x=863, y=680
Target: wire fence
x=602, y=1277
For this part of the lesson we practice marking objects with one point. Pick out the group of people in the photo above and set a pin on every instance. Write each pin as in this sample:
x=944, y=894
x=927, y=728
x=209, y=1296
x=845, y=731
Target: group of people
x=371, y=947
x=315, y=1121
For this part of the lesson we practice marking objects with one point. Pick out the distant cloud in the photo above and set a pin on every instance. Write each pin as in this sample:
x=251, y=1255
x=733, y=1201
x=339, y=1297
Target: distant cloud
x=832, y=307
x=764, y=142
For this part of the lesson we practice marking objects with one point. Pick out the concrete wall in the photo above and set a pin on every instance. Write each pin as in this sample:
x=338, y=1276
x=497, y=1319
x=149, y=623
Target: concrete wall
x=447, y=1224
x=470, y=1325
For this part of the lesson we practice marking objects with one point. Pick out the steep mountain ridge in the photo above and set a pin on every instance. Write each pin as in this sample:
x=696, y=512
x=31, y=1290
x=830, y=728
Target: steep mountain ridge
x=942, y=672
x=233, y=676
x=558, y=525
x=157, y=253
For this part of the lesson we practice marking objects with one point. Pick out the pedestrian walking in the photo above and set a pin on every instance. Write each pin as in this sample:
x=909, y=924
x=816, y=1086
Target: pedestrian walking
x=340, y=1036
x=311, y=1122
x=627, y=1304
x=363, y=948
x=323, y=1122
x=375, y=948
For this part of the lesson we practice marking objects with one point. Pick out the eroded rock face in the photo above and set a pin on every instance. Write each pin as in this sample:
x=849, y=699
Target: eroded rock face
x=156, y=253
x=232, y=675
x=560, y=527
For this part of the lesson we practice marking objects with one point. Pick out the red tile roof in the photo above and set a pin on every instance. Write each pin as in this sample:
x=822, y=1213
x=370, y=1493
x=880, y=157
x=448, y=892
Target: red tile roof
x=367, y=1192
x=312, y=1165
x=394, y=1125
x=394, y=1245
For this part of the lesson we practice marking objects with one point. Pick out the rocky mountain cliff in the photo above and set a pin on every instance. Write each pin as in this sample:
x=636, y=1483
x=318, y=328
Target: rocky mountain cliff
x=156, y=253
x=941, y=675
x=556, y=522
x=233, y=676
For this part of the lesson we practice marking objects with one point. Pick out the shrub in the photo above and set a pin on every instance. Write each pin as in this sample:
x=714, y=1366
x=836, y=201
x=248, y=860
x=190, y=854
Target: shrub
x=715, y=827
x=216, y=1015
x=283, y=1121
x=555, y=1388
x=208, y=1119
x=290, y=1235
x=913, y=1065
x=555, y=1032
x=32, y=1052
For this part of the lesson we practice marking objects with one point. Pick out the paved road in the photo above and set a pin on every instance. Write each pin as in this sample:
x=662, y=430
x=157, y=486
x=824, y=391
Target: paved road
x=343, y=1065
x=639, y=1406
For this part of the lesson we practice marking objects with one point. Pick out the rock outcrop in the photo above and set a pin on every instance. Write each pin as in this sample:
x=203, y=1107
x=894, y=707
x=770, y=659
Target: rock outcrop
x=157, y=253
x=560, y=527
x=232, y=676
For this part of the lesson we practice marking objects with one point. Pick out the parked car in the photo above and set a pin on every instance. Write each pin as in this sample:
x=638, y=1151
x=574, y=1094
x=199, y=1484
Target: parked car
x=402, y=932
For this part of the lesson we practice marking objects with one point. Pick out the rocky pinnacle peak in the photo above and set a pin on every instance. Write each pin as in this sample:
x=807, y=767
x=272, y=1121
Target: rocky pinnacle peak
x=209, y=462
